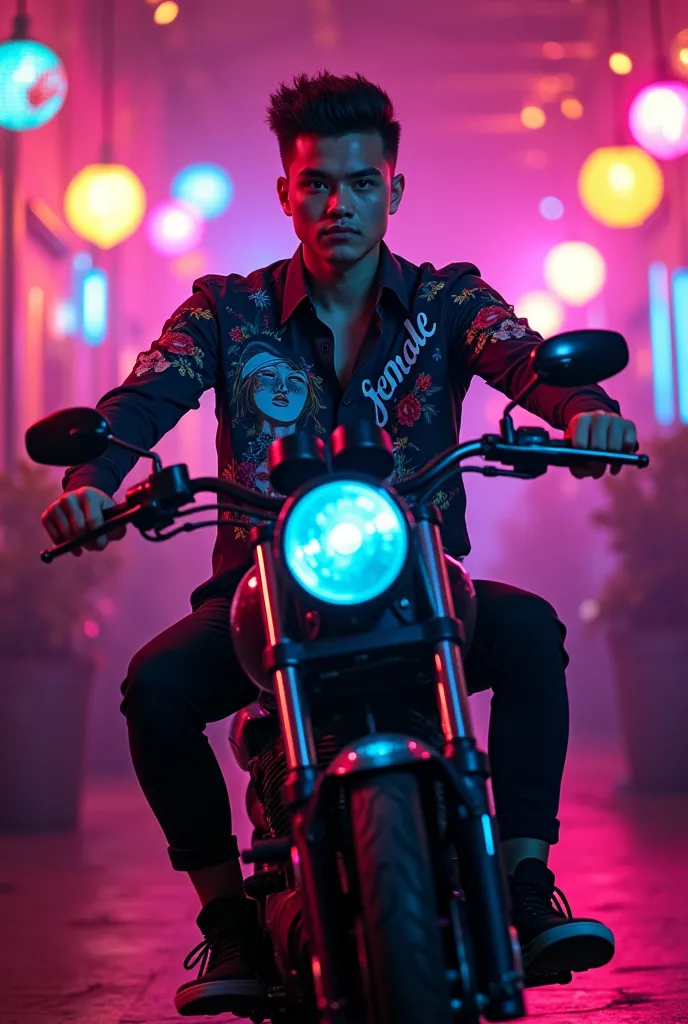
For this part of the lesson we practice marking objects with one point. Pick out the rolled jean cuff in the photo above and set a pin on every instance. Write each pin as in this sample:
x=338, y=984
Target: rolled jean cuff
x=207, y=857
x=528, y=826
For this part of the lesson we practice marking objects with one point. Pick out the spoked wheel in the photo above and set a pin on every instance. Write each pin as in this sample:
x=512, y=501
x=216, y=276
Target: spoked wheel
x=400, y=944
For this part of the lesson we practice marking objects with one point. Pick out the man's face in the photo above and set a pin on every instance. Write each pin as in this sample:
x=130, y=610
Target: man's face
x=340, y=192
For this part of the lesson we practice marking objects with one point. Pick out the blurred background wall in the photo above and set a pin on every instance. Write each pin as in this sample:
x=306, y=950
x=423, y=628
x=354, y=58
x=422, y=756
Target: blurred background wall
x=501, y=102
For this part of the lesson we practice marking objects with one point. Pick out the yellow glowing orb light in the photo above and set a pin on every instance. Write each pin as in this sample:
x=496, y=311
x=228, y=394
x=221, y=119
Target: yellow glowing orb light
x=105, y=203
x=620, y=63
x=543, y=311
x=575, y=271
x=533, y=117
x=166, y=13
x=572, y=108
x=620, y=186
x=679, y=53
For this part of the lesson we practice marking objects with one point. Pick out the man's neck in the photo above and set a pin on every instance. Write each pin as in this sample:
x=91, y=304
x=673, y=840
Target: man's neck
x=348, y=288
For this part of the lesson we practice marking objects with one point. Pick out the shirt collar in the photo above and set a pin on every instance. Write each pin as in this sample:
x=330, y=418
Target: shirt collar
x=390, y=278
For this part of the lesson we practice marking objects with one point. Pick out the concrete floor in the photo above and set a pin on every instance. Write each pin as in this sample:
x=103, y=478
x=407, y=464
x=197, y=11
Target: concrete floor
x=94, y=926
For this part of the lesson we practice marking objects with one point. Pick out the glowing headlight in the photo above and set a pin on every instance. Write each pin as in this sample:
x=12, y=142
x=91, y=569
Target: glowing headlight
x=345, y=542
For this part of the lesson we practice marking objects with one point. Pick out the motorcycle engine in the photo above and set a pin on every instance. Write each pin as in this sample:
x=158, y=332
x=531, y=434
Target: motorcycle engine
x=268, y=768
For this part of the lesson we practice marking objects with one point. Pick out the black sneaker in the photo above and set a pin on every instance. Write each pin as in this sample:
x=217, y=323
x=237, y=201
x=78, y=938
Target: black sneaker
x=553, y=942
x=234, y=962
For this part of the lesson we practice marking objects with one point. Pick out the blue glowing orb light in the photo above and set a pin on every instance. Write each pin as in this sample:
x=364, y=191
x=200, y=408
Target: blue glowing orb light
x=346, y=542
x=33, y=84
x=206, y=186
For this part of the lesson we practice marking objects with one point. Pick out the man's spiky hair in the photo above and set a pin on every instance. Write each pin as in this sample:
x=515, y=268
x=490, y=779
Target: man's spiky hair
x=332, y=105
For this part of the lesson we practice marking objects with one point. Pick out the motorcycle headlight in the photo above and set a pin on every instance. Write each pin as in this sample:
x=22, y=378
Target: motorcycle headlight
x=345, y=542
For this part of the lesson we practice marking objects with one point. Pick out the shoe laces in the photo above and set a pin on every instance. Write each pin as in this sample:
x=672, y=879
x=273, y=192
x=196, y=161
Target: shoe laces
x=536, y=896
x=565, y=911
x=215, y=949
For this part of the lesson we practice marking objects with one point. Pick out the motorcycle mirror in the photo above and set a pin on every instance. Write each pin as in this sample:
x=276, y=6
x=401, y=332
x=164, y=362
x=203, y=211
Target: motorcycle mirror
x=68, y=437
x=577, y=358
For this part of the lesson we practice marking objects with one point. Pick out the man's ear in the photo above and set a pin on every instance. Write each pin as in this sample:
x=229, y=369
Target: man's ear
x=283, y=193
x=398, y=186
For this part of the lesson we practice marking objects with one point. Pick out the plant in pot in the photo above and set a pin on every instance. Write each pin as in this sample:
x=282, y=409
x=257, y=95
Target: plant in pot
x=644, y=606
x=45, y=677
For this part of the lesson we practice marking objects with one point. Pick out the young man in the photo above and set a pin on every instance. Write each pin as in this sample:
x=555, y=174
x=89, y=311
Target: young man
x=342, y=330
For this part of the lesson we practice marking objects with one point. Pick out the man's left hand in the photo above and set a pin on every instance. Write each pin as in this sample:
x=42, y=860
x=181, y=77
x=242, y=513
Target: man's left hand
x=604, y=431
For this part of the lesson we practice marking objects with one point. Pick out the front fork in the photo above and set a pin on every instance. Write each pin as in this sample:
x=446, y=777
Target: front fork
x=478, y=849
x=314, y=871
x=477, y=844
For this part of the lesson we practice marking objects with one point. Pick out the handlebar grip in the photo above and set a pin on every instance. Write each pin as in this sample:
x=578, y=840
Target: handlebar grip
x=50, y=554
x=115, y=510
x=618, y=458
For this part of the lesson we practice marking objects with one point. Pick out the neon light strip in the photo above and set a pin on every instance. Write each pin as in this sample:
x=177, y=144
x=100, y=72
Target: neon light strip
x=660, y=331
x=679, y=280
x=94, y=309
x=34, y=355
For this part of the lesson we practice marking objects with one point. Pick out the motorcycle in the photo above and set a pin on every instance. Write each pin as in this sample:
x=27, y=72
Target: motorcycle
x=377, y=867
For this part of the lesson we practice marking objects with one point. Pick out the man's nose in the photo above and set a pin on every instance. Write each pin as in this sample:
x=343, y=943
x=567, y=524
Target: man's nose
x=340, y=203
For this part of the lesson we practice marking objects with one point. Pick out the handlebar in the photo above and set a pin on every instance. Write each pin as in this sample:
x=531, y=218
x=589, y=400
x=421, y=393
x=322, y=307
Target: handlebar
x=156, y=502
x=533, y=451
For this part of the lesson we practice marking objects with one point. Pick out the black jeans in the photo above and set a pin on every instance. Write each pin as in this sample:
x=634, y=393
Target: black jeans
x=188, y=676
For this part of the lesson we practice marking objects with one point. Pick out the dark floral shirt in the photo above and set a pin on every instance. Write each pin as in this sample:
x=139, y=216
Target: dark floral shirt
x=258, y=342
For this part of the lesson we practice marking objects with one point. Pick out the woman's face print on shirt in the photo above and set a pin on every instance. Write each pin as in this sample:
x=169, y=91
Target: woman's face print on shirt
x=272, y=388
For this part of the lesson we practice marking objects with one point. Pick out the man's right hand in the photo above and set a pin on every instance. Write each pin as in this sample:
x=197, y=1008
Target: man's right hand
x=77, y=512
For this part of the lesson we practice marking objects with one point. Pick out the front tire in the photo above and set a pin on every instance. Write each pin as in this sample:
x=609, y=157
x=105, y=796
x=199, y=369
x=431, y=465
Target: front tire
x=405, y=969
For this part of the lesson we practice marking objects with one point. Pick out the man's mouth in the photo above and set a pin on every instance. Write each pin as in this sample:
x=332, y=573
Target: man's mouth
x=339, y=232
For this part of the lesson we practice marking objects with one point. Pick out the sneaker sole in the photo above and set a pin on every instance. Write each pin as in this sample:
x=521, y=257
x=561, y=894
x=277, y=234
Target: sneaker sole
x=207, y=998
x=579, y=946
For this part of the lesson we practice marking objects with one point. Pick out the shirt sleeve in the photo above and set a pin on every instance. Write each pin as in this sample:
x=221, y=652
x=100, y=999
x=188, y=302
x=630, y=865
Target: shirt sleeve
x=166, y=382
x=495, y=344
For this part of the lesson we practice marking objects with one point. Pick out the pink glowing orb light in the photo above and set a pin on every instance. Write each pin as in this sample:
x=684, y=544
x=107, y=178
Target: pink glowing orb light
x=174, y=227
x=658, y=119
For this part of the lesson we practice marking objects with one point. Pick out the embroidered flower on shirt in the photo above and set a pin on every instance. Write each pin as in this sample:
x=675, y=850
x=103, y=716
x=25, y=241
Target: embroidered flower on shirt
x=260, y=297
x=443, y=499
x=510, y=329
x=177, y=342
x=201, y=314
x=148, y=361
x=184, y=366
x=494, y=323
x=400, y=454
x=488, y=316
x=241, y=473
x=430, y=289
x=249, y=329
x=180, y=351
x=468, y=293
x=415, y=404
x=437, y=355
x=408, y=410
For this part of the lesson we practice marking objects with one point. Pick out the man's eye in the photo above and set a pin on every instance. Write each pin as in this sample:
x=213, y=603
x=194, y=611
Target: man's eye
x=363, y=183
x=312, y=184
